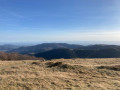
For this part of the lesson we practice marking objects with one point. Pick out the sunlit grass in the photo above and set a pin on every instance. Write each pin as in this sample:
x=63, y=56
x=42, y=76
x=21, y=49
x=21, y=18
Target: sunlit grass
x=61, y=74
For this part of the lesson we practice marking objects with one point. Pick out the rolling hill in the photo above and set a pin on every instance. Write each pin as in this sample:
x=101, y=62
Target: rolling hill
x=63, y=50
x=43, y=48
x=77, y=53
x=50, y=46
x=57, y=53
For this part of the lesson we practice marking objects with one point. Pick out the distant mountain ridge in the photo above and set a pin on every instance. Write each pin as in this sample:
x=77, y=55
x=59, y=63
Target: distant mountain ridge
x=8, y=47
x=50, y=46
x=78, y=53
x=63, y=50
x=44, y=47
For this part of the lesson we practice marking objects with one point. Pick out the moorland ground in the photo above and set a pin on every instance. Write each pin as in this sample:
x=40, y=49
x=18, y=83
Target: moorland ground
x=60, y=74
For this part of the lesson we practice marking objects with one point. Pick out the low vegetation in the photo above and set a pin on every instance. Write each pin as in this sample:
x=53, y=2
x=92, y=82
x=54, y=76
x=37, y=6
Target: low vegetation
x=16, y=56
x=115, y=68
x=60, y=74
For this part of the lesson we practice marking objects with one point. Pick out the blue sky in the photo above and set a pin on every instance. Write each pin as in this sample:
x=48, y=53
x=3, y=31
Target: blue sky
x=59, y=20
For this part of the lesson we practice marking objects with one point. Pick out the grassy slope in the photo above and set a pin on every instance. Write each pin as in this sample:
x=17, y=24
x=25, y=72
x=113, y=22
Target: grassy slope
x=77, y=74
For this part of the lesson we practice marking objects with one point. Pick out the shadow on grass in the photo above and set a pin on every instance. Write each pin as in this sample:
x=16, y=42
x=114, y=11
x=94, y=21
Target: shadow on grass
x=115, y=68
x=60, y=65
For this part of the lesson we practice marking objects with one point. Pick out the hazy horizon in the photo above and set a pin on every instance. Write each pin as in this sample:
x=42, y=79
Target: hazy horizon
x=68, y=42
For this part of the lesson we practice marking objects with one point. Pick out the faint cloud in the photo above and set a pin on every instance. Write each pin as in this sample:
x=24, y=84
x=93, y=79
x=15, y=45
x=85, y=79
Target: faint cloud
x=11, y=12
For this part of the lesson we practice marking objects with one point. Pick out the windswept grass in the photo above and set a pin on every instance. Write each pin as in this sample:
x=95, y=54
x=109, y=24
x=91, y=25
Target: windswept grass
x=61, y=74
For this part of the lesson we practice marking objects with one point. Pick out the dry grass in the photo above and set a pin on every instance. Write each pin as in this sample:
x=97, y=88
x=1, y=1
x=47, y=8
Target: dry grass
x=61, y=74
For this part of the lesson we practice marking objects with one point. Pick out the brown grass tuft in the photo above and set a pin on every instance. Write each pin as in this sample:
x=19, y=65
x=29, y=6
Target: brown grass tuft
x=115, y=68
